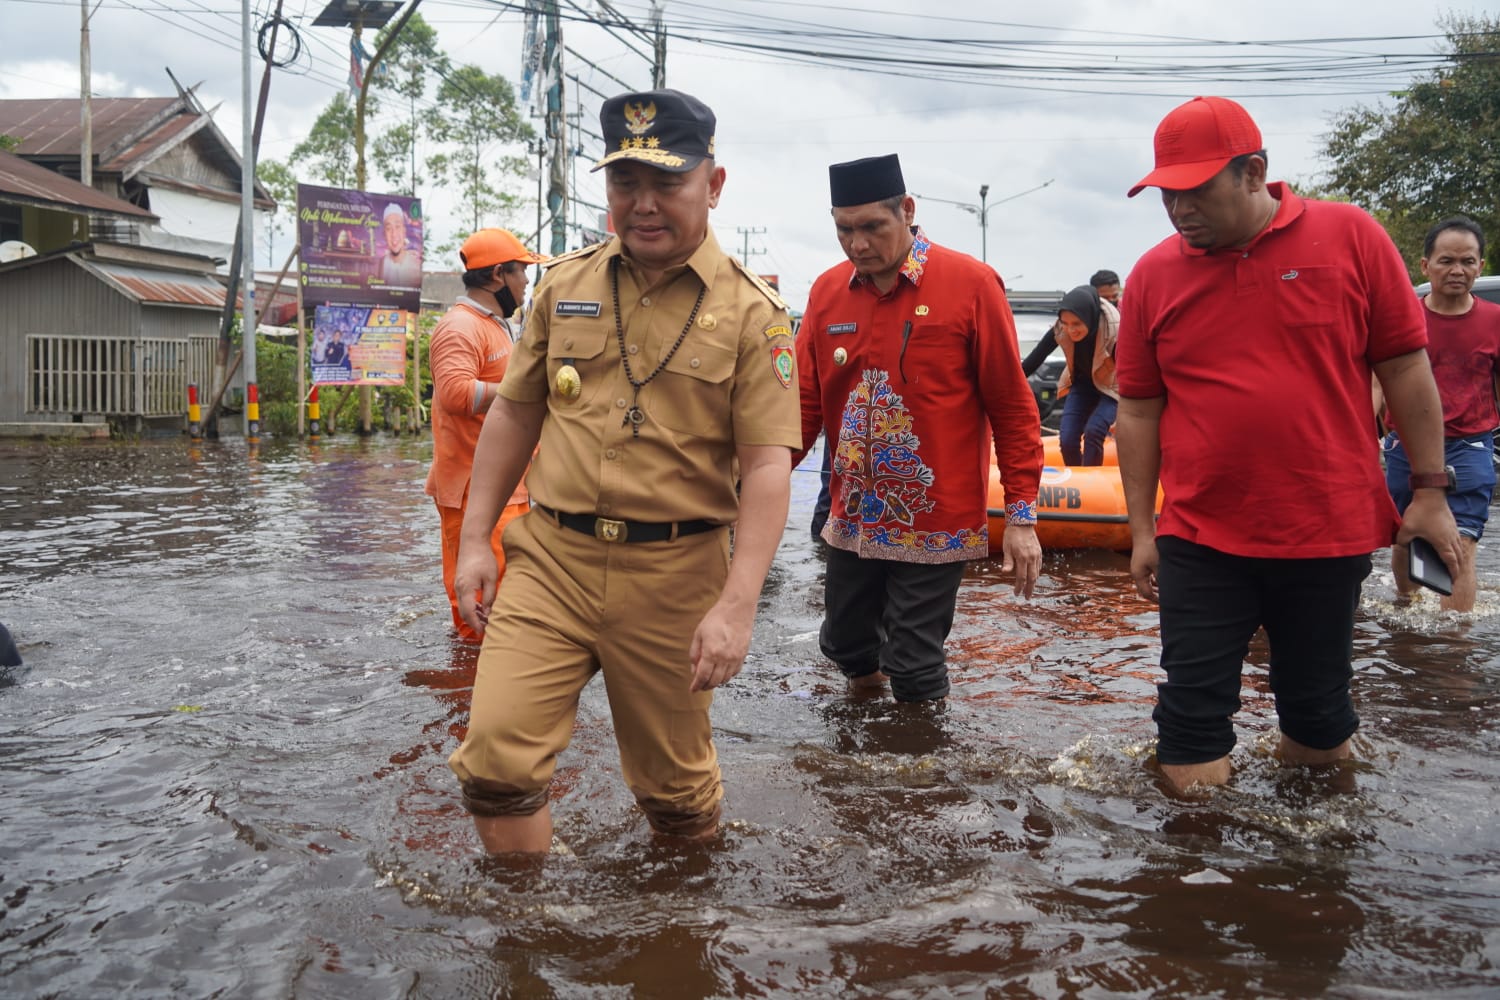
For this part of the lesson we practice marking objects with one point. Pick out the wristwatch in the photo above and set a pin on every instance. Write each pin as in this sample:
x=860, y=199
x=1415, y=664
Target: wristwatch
x=1446, y=480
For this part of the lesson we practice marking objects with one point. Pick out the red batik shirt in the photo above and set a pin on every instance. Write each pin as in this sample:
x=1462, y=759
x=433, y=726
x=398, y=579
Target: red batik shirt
x=910, y=387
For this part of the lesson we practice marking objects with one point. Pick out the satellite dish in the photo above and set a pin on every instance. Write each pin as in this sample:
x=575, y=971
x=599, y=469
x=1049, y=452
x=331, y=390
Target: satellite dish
x=15, y=250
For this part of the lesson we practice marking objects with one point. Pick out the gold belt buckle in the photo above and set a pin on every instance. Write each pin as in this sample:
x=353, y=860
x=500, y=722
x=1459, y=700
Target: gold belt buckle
x=609, y=531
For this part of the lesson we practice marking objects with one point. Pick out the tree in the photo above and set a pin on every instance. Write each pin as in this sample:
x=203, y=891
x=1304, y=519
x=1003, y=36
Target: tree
x=476, y=113
x=328, y=151
x=282, y=183
x=1437, y=153
x=412, y=59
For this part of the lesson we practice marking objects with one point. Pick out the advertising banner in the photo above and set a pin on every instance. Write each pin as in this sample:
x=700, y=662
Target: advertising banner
x=359, y=345
x=359, y=248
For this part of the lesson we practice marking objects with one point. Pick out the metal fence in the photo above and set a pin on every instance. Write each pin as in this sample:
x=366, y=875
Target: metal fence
x=115, y=376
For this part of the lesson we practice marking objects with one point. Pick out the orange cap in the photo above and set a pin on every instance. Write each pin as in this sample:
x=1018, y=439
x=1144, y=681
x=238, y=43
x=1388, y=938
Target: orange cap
x=489, y=247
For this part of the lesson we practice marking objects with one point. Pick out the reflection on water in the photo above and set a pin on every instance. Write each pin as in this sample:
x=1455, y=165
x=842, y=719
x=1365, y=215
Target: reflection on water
x=224, y=768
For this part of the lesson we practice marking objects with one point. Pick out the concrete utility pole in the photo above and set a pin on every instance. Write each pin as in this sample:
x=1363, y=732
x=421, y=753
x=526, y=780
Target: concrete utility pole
x=366, y=395
x=86, y=112
x=746, y=252
x=658, y=48
x=247, y=230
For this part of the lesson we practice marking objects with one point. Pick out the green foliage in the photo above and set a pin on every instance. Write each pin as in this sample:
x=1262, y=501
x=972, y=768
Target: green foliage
x=327, y=154
x=279, y=179
x=1437, y=152
x=475, y=113
x=9, y=142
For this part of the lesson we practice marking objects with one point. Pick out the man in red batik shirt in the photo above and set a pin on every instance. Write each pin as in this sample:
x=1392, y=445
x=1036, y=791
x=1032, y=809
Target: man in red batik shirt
x=909, y=363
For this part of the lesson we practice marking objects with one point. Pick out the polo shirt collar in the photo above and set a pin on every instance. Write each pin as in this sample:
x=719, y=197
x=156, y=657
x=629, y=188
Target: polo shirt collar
x=478, y=307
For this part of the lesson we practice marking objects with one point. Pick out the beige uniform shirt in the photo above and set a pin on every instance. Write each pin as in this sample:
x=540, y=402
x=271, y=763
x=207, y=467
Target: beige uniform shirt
x=730, y=382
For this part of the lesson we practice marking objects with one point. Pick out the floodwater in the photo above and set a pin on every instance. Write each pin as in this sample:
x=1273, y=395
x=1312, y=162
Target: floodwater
x=223, y=775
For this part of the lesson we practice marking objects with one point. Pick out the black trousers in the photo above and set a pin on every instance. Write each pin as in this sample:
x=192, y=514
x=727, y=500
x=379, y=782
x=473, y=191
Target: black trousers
x=890, y=616
x=1211, y=605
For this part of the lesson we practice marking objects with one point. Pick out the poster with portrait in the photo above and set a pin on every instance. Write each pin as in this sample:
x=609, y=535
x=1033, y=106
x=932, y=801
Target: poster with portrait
x=359, y=248
x=359, y=345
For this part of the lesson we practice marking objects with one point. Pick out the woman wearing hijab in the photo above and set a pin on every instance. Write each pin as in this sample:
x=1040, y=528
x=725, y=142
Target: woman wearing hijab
x=1086, y=328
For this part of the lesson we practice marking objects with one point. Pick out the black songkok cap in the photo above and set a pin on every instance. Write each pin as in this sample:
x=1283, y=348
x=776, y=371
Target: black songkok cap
x=859, y=182
x=665, y=128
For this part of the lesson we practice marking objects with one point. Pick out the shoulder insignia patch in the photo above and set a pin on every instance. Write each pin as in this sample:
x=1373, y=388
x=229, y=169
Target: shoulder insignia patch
x=578, y=254
x=779, y=330
x=760, y=283
x=784, y=365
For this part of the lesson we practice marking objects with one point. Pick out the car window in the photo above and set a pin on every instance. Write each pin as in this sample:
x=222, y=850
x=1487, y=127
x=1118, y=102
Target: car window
x=1031, y=327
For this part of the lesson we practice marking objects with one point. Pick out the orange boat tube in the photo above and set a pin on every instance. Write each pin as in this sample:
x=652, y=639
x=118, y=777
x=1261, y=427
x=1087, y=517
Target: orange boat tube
x=1077, y=507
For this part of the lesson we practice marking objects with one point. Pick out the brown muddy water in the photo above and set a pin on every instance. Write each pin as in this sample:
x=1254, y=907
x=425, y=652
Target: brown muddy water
x=223, y=775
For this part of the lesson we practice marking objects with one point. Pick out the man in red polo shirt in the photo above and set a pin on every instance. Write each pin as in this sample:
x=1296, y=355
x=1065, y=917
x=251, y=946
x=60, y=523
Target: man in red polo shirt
x=1463, y=345
x=1246, y=347
x=908, y=361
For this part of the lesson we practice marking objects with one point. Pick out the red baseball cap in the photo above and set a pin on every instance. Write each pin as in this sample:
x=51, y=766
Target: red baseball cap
x=1196, y=140
x=489, y=247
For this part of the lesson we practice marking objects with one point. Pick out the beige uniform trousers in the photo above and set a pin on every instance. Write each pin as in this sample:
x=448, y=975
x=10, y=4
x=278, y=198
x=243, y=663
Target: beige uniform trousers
x=572, y=605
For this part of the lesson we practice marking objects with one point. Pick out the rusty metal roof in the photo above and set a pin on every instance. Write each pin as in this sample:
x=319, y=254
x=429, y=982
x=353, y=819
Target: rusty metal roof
x=150, y=285
x=29, y=184
x=128, y=133
x=52, y=126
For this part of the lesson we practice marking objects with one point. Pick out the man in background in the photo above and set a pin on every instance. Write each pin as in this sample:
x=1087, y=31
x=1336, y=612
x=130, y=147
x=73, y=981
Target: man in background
x=468, y=354
x=1107, y=284
x=1463, y=345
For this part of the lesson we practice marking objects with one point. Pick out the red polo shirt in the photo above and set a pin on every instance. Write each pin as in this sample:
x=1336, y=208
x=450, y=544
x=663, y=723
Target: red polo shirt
x=1263, y=354
x=909, y=386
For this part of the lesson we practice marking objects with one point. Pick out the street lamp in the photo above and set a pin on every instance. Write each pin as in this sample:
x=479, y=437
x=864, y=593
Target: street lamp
x=983, y=211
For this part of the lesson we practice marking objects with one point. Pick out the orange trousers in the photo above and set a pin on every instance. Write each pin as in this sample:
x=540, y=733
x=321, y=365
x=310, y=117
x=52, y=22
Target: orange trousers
x=452, y=525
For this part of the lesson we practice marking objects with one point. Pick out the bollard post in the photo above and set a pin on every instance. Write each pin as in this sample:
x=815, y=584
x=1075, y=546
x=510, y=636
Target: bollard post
x=195, y=414
x=314, y=427
x=252, y=412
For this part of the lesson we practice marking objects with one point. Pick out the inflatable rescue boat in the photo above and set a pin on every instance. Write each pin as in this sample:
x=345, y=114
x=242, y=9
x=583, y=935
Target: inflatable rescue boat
x=1077, y=507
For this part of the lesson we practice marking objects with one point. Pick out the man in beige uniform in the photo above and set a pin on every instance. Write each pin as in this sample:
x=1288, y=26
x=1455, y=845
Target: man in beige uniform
x=657, y=374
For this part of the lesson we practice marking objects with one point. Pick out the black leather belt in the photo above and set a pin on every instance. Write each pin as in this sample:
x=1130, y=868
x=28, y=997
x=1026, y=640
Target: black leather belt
x=627, y=531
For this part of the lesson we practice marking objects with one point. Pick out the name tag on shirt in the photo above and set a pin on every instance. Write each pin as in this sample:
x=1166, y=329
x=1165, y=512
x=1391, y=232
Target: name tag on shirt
x=842, y=327
x=571, y=308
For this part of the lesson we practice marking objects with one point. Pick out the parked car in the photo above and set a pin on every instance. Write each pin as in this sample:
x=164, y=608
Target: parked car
x=1034, y=316
x=1486, y=286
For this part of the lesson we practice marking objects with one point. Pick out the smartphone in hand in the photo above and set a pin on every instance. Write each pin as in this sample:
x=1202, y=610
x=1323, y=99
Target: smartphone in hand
x=1424, y=567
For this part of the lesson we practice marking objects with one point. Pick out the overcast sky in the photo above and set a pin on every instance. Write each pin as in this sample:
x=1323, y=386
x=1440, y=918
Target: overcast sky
x=1076, y=115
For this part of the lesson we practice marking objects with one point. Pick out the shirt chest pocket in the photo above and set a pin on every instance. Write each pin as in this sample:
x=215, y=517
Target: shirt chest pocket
x=1306, y=296
x=587, y=347
x=692, y=392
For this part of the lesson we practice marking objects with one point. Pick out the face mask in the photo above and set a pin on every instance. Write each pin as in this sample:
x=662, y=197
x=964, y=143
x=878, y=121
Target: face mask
x=507, y=300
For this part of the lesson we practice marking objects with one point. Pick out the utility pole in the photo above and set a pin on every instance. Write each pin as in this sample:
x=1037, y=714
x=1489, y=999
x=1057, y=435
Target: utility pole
x=747, y=233
x=658, y=48
x=366, y=396
x=85, y=93
x=984, y=224
x=247, y=231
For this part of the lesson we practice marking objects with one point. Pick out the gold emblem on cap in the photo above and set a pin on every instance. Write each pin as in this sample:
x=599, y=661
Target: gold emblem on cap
x=569, y=385
x=638, y=117
x=921, y=310
x=840, y=356
x=707, y=321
